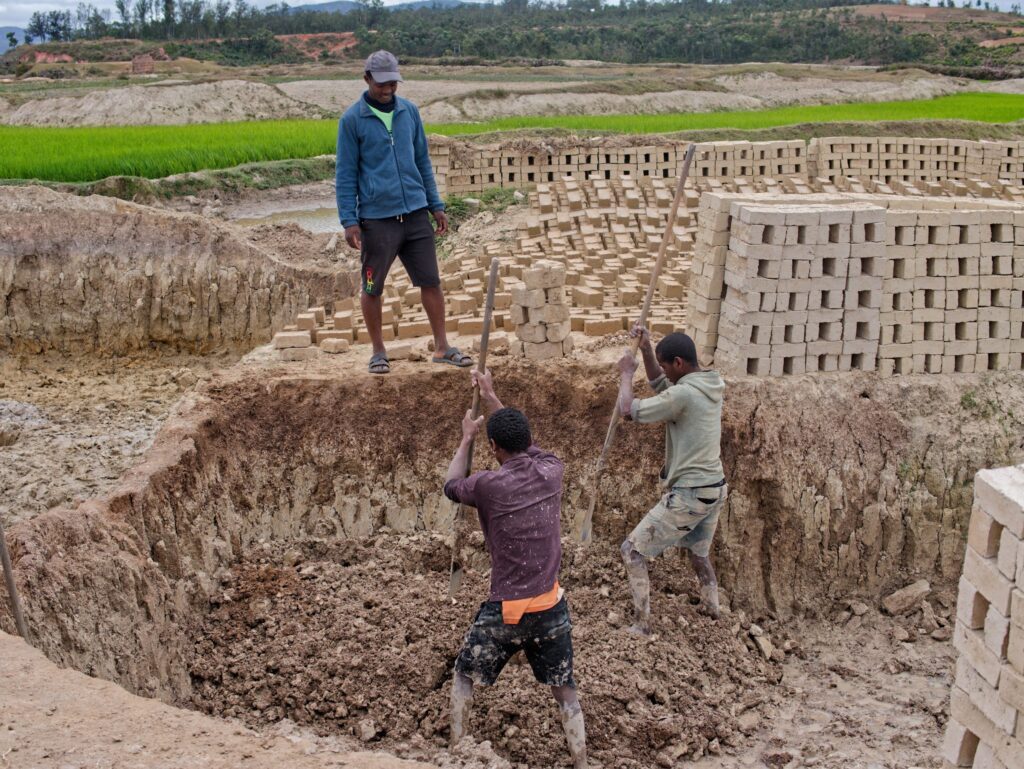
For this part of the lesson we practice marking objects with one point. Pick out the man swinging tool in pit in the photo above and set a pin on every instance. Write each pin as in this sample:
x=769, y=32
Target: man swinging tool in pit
x=689, y=402
x=520, y=513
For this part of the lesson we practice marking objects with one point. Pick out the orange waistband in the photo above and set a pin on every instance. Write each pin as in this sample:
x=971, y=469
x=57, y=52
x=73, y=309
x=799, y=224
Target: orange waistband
x=513, y=611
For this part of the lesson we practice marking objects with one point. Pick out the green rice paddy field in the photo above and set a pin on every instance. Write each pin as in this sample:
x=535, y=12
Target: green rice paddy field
x=88, y=154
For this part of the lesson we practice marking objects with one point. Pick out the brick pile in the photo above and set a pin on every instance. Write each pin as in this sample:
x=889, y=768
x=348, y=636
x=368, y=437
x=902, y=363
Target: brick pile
x=857, y=282
x=461, y=167
x=986, y=725
x=540, y=314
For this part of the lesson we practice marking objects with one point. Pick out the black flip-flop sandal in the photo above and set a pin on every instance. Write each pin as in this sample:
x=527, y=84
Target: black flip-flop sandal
x=453, y=356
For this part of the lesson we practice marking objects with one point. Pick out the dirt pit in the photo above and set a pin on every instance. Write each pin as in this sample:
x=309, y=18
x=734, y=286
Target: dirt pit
x=358, y=637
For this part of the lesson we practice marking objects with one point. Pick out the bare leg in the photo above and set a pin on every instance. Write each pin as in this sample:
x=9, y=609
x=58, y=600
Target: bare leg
x=462, y=704
x=372, y=315
x=708, y=584
x=572, y=723
x=640, y=587
x=433, y=305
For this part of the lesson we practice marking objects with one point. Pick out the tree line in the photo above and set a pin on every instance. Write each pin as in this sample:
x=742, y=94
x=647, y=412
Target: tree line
x=633, y=31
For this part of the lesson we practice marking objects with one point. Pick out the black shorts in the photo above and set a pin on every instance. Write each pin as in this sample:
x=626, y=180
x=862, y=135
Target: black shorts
x=410, y=238
x=545, y=637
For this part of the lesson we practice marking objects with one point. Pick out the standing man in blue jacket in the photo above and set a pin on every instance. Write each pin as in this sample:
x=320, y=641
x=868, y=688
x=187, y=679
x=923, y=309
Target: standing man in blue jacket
x=385, y=187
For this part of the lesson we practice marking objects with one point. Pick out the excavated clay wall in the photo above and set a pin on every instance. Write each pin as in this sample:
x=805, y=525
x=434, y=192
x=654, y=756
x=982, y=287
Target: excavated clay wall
x=841, y=486
x=99, y=274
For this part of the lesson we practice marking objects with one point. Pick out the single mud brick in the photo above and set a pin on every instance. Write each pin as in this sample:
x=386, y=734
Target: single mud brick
x=554, y=295
x=670, y=288
x=409, y=329
x=1015, y=649
x=335, y=345
x=299, y=353
x=996, y=632
x=602, y=326
x=412, y=297
x=519, y=314
x=471, y=326
x=498, y=342
x=542, y=351
x=400, y=351
x=348, y=303
x=1010, y=555
x=550, y=313
x=1011, y=689
x=906, y=599
x=557, y=332
x=534, y=333
x=959, y=745
x=292, y=339
x=567, y=345
x=387, y=332
x=529, y=298
x=322, y=333
x=502, y=300
x=587, y=297
x=1000, y=493
x=985, y=698
x=319, y=313
x=986, y=758
x=515, y=347
x=544, y=274
x=971, y=644
x=662, y=326
x=984, y=574
x=343, y=320
x=971, y=606
x=459, y=304
x=306, y=321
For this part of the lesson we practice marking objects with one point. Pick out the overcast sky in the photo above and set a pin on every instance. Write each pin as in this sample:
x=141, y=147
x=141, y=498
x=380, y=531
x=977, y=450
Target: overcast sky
x=15, y=13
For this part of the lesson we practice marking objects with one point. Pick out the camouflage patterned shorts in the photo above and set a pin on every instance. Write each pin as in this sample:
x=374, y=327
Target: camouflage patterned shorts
x=682, y=518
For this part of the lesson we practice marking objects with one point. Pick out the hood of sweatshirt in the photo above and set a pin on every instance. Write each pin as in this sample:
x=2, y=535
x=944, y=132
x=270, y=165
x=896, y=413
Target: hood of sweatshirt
x=709, y=383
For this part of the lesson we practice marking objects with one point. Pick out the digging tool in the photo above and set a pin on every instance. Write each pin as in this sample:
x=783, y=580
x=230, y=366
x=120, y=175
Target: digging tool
x=584, y=521
x=458, y=570
x=12, y=589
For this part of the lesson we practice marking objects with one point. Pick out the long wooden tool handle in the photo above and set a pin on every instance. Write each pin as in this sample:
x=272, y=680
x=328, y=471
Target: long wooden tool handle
x=485, y=338
x=455, y=574
x=12, y=589
x=584, y=527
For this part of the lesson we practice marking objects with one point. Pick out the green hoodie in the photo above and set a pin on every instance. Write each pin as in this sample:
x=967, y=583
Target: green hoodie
x=692, y=412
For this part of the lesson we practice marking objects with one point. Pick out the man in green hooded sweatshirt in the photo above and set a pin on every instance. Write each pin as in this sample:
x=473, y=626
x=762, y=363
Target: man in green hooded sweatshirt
x=689, y=401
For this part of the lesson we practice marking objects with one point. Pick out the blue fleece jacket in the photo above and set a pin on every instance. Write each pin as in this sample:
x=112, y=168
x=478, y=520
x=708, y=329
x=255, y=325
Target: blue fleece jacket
x=379, y=176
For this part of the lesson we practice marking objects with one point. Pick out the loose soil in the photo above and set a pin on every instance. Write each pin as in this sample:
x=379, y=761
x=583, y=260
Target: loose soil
x=358, y=638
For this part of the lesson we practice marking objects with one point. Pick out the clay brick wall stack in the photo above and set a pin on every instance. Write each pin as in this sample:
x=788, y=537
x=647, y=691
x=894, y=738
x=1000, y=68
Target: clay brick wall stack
x=986, y=726
x=847, y=283
x=540, y=314
x=463, y=168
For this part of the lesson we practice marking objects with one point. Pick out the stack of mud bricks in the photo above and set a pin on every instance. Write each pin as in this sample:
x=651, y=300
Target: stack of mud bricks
x=472, y=168
x=804, y=288
x=539, y=313
x=750, y=160
x=986, y=725
x=953, y=292
x=914, y=161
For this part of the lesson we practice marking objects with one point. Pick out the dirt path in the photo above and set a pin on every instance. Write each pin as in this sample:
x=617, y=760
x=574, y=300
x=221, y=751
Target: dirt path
x=60, y=719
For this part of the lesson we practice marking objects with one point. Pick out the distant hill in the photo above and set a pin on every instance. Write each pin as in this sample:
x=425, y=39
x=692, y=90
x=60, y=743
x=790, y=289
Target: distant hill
x=19, y=33
x=344, y=6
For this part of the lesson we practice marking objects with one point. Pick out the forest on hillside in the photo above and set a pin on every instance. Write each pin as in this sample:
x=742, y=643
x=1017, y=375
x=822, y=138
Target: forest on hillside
x=632, y=31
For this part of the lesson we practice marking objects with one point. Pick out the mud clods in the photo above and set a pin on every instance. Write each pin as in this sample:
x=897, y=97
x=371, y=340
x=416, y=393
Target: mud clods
x=360, y=633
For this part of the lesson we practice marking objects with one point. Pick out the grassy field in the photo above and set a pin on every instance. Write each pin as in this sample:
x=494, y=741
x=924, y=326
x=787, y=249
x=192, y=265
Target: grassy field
x=87, y=154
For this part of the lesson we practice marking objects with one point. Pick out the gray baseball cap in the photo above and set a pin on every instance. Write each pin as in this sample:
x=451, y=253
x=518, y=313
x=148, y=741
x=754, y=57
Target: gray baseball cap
x=383, y=67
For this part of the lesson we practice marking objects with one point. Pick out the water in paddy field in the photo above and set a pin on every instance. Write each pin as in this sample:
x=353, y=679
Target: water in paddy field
x=314, y=220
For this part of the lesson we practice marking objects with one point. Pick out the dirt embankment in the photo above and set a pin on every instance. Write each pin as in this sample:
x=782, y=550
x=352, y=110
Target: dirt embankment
x=218, y=102
x=100, y=275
